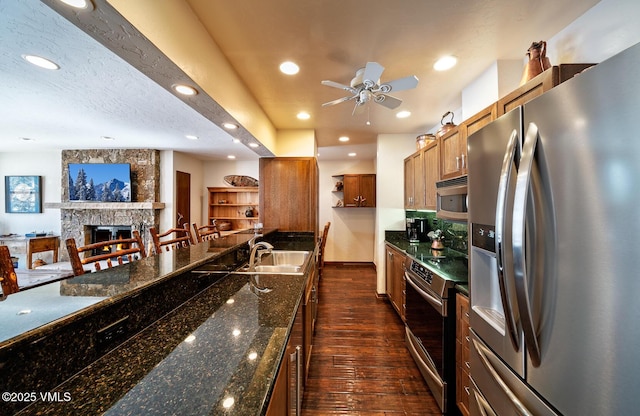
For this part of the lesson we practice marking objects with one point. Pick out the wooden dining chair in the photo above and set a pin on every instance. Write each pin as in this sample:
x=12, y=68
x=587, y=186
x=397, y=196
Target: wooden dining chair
x=42, y=245
x=323, y=242
x=8, y=278
x=205, y=232
x=103, y=254
x=177, y=238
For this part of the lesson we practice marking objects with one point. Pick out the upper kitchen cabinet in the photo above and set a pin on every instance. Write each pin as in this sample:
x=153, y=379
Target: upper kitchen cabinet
x=421, y=172
x=359, y=190
x=453, y=144
x=538, y=85
x=289, y=193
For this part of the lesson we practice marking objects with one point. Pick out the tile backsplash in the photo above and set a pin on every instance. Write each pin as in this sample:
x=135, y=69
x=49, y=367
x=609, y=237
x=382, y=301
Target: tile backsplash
x=456, y=233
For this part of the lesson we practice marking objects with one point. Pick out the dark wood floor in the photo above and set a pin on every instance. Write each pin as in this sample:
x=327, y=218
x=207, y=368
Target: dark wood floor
x=359, y=362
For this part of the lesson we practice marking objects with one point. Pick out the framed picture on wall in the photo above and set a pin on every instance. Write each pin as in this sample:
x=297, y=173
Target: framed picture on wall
x=23, y=194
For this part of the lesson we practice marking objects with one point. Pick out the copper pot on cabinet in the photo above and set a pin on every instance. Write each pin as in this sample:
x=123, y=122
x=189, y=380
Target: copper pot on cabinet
x=446, y=127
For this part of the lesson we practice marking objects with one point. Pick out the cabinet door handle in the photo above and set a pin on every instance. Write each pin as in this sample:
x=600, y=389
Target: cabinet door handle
x=457, y=162
x=463, y=160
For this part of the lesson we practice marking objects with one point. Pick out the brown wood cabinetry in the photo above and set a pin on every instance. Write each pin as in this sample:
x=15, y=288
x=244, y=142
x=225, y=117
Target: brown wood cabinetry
x=230, y=205
x=453, y=154
x=394, y=279
x=420, y=176
x=462, y=354
x=358, y=190
x=289, y=193
x=538, y=85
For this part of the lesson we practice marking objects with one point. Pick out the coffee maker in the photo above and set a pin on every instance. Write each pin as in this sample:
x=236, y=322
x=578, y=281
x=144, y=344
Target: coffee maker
x=417, y=230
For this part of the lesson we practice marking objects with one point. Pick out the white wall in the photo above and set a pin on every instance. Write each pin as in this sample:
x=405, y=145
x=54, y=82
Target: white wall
x=352, y=231
x=45, y=164
x=392, y=150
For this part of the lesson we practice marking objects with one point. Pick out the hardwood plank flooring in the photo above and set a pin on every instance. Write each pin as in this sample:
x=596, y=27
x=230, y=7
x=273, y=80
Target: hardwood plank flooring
x=359, y=362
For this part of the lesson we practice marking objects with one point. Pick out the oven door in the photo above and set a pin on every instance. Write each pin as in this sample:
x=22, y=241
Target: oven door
x=425, y=332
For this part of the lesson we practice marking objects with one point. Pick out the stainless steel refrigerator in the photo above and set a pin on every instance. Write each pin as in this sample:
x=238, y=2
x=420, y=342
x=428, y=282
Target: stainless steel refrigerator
x=554, y=215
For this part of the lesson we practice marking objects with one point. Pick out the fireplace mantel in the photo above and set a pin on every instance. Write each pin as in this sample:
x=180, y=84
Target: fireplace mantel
x=105, y=205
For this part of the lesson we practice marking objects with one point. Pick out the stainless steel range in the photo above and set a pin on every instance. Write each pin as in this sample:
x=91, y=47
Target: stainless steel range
x=430, y=324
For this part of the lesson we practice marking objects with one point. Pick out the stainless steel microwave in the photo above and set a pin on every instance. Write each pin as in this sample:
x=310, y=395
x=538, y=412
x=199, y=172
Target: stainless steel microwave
x=451, y=199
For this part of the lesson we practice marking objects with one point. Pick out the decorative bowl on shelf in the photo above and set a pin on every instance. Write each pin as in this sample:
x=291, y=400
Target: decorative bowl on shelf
x=224, y=226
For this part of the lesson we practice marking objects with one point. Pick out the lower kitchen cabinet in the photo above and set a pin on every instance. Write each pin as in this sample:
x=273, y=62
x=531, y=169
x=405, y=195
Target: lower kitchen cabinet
x=463, y=368
x=394, y=276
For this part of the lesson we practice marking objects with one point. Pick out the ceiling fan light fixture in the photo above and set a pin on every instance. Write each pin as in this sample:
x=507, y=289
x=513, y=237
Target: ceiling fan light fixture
x=445, y=63
x=289, y=68
x=41, y=62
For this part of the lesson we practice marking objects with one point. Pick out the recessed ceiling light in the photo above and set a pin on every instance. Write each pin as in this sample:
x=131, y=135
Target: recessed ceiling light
x=191, y=137
x=236, y=141
x=444, y=63
x=303, y=115
x=78, y=4
x=231, y=157
x=289, y=68
x=352, y=154
x=403, y=114
x=41, y=62
x=343, y=139
x=254, y=145
x=185, y=89
x=229, y=126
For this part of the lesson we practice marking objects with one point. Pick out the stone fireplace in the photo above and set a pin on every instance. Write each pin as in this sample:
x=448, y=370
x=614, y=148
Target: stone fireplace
x=79, y=218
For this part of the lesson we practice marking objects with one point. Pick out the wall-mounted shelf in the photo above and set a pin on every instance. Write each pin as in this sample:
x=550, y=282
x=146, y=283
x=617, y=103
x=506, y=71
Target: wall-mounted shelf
x=357, y=191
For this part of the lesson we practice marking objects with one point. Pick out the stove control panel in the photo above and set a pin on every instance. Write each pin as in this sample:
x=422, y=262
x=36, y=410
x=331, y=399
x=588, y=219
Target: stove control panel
x=421, y=271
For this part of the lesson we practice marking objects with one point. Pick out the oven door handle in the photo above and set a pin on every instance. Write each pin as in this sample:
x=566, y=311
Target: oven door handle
x=434, y=301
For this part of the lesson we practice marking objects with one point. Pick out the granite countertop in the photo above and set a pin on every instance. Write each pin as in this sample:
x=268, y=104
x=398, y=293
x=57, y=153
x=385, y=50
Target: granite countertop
x=76, y=297
x=447, y=263
x=225, y=343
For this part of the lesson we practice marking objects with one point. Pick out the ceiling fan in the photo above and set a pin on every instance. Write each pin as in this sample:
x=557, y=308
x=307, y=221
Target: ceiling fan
x=366, y=87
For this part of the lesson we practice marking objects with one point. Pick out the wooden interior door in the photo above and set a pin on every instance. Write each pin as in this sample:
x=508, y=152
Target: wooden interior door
x=183, y=198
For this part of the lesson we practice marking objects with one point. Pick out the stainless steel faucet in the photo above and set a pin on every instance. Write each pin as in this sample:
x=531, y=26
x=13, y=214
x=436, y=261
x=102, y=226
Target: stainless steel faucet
x=254, y=260
x=252, y=241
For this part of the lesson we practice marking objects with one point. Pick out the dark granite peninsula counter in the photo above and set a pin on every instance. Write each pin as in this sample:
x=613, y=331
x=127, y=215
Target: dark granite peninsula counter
x=164, y=341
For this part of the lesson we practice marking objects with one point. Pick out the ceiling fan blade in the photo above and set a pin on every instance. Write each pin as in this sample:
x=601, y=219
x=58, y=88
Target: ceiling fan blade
x=400, y=84
x=338, y=85
x=388, y=101
x=338, y=101
x=372, y=73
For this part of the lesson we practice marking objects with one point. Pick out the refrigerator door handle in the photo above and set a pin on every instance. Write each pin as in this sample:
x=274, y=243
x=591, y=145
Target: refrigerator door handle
x=483, y=405
x=523, y=188
x=517, y=404
x=501, y=221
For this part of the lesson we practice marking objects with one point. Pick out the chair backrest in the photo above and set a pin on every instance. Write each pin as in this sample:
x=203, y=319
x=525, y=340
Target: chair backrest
x=205, y=232
x=125, y=248
x=42, y=244
x=8, y=278
x=178, y=238
x=323, y=242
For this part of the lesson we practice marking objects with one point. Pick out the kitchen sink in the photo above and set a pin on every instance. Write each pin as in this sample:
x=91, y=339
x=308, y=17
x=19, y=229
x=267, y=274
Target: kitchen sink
x=279, y=262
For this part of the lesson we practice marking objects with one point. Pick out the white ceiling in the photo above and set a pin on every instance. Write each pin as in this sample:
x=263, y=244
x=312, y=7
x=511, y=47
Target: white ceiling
x=97, y=93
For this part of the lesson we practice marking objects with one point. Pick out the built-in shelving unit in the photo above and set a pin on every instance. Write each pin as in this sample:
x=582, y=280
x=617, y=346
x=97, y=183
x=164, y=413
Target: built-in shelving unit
x=231, y=205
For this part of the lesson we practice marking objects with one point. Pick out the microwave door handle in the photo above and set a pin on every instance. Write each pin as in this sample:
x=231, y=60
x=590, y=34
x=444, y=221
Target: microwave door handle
x=501, y=221
x=523, y=190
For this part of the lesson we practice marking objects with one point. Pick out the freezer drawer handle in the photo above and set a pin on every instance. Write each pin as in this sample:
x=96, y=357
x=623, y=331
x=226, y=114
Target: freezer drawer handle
x=482, y=353
x=483, y=406
x=504, y=270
